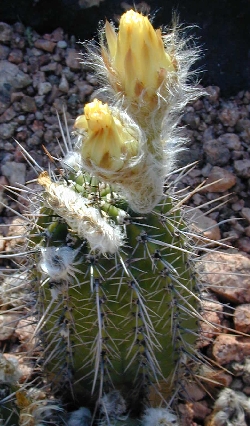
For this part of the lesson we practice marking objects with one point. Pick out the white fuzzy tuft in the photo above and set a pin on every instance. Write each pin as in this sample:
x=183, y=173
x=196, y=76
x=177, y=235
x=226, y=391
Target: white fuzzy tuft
x=57, y=262
x=231, y=408
x=80, y=417
x=85, y=220
x=113, y=405
x=159, y=417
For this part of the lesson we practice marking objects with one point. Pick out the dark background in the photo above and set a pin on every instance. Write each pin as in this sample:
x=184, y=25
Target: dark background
x=221, y=27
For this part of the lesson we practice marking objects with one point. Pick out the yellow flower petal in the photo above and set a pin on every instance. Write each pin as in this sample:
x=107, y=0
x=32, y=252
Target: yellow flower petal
x=107, y=143
x=138, y=55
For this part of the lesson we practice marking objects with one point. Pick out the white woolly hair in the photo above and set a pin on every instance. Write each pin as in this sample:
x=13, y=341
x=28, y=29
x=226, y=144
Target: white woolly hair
x=113, y=405
x=86, y=221
x=159, y=417
x=181, y=88
x=143, y=189
x=80, y=417
x=130, y=164
x=231, y=405
x=57, y=262
x=141, y=178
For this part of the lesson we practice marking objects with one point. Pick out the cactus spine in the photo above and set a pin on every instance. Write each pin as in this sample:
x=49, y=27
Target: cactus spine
x=109, y=255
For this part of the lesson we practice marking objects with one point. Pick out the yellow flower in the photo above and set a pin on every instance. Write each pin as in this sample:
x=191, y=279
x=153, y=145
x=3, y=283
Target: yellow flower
x=107, y=142
x=136, y=58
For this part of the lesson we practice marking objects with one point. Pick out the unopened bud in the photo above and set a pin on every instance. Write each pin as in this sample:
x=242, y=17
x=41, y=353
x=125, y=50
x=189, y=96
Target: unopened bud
x=107, y=142
x=137, y=57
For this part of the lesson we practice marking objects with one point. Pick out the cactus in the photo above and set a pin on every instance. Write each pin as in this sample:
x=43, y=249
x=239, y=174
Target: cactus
x=109, y=257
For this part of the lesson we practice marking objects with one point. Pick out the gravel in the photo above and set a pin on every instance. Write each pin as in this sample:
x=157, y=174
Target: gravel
x=41, y=75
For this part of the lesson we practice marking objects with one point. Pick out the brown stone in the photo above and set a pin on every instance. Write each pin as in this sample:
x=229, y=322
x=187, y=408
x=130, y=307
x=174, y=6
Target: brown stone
x=72, y=60
x=231, y=140
x=25, y=333
x=243, y=244
x=6, y=32
x=204, y=226
x=242, y=318
x=227, y=274
x=219, y=180
x=200, y=409
x=15, y=56
x=213, y=93
x=211, y=312
x=229, y=114
x=46, y=45
x=8, y=115
x=214, y=378
x=186, y=414
x=192, y=391
x=246, y=213
x=28, y=104
x=227, y=348
x=216, y=153
x=8, y=322
x=22, y=370
x=242, y=168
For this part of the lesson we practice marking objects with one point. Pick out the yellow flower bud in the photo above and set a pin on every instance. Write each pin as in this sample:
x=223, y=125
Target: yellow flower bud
x=136, y=57
x=107, y=142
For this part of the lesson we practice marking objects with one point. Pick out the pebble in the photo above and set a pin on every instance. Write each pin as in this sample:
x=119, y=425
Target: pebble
x=242, y=168
x=204, y=225
x=25, y=333
x=211, y=312
x=231, y=140
x=192, y=119
x=28, y=104
x=11, y=78
x=213, y=93
x=8, y=323
x=3, y=199
x=219, y=180
x=22, y=369
x=192, y=391
x=216, y=153
x=52, y=67
x=228, y=348
x=72, y=59
x=245, y=212
x=45, y=45
x=229, y=114
x=62, y=44
x=44, y=88
x=7, y=130
x=4, y=52
x=227, y=275
x=15, y=56
x=11, y=74
x=64, y=85
x=14, y=172
x=243, y=244
x=247, y=231
x=6, y=32
x=216, y=377
x=242, y=318
x=8, y=115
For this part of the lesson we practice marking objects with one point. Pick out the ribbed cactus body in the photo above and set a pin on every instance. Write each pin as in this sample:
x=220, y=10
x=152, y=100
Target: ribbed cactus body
x=120, y=321
x=110, y=257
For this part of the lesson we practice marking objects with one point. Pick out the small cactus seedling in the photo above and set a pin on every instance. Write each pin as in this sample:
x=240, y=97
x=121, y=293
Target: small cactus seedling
x=109, y=256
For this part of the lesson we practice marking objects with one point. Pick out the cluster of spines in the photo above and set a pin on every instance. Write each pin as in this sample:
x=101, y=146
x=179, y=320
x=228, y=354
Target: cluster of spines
x=102, y=268
x=66, y=268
